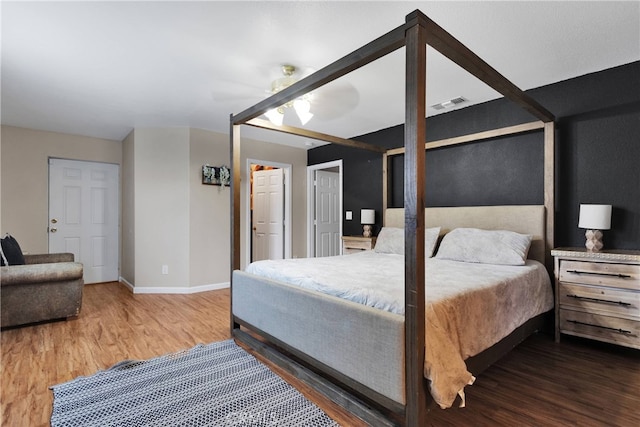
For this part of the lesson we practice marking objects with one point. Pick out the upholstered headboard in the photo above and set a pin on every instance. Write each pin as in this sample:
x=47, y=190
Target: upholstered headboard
x=527, y=219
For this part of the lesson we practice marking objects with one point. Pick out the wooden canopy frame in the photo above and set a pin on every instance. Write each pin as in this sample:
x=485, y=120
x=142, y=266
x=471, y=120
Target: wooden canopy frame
x=415, y=34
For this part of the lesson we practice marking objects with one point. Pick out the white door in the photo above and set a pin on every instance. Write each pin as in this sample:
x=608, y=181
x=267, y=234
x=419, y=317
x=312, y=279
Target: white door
x=268, y=214
x=327, y=213
x=83, y=215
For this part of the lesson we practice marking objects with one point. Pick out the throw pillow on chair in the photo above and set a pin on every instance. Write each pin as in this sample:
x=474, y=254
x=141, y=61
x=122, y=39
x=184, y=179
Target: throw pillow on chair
x=11, y=252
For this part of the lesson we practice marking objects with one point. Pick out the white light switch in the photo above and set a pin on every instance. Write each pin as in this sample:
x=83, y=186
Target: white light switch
x=165, y=269
x=348, y=215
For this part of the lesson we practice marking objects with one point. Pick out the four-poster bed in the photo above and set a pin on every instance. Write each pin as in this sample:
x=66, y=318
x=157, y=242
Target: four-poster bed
x=401, y=337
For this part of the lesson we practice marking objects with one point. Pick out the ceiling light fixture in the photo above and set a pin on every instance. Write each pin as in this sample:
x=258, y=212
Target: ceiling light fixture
x=301, y=105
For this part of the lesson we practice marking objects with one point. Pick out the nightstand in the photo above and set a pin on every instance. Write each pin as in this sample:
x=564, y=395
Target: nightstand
x=353, y=244
x=598, y=295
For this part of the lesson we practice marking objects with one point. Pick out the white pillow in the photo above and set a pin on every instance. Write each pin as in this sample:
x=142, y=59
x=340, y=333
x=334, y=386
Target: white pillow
x=391, y=241
x=485, y=246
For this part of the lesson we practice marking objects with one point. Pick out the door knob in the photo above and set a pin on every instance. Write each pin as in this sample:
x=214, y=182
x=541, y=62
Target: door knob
x=53, y=229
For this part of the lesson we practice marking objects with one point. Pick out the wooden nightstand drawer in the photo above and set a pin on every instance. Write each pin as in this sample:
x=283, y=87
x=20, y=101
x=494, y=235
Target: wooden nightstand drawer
x=359, y=244
x=601, y=273
x=353, y=244
x=601, y=300
x=604, y=328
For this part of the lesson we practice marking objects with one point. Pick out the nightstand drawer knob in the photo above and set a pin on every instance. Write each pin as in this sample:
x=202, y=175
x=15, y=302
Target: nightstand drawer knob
x=603, y=301
x=622, y=276
x=620, y=331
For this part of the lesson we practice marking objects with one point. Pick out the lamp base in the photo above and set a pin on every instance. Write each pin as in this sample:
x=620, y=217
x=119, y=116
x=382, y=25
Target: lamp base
x=594, y=240
x=366, y=230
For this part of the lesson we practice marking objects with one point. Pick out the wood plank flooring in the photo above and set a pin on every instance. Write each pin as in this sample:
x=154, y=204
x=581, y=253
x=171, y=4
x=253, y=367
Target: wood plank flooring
x=540, y=383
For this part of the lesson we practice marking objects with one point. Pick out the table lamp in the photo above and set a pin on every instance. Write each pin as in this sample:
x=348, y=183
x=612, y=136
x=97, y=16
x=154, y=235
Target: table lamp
x=367, y=218
x=594, y=218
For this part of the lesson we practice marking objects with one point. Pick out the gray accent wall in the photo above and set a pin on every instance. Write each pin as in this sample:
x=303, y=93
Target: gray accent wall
x=597, y=157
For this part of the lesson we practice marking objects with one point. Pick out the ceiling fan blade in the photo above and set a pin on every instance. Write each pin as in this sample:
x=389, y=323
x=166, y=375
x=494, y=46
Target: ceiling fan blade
x=227, y=90
x=334, y=100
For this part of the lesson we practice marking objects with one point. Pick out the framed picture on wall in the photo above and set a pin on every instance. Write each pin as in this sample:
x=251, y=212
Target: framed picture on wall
x=213, y=175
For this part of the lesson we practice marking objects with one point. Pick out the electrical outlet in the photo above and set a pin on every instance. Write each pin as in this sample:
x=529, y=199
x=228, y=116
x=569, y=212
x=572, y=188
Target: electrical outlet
x=348, y=215
x=165, y=269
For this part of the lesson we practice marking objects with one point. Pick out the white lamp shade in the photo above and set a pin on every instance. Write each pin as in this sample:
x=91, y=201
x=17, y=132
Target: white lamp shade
x=367, y=216
x=303, y=107
x=275, y=116
x=595, y=217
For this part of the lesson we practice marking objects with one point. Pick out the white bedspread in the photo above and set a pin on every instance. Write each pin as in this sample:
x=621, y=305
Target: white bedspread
x=469, y=307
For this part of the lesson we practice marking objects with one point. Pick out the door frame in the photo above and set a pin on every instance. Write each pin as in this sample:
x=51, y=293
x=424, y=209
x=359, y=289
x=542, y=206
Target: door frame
x=311, y=229
x=246, y=179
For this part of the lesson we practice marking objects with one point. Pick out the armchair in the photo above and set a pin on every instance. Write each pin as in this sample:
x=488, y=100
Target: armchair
x=47, y=287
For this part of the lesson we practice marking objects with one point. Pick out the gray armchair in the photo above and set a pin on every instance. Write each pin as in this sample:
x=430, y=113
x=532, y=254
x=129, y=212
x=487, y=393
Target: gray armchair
x=47, y=287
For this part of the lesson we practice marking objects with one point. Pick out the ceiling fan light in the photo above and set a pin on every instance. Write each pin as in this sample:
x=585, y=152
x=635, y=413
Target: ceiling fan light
x=275, y=116
x=302, y=107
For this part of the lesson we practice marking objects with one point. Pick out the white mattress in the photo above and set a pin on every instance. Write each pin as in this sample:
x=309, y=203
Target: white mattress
x=377, y=280
x=469, y=307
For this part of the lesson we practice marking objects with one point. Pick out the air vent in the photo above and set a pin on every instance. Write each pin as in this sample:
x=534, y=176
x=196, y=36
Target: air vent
x=449, y=104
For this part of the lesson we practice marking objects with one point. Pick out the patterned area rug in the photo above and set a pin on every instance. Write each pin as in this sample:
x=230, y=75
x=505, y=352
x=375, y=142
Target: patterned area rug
x=218, y=384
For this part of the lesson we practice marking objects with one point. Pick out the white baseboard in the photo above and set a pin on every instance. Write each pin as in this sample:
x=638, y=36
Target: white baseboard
x=126, y=283
x=173, y=290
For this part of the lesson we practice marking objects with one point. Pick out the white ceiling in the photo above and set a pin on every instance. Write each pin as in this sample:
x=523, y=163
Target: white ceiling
x=103, y=68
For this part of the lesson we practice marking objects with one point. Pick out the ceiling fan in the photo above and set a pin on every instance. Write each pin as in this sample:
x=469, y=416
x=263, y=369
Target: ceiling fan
x=301, y=105
x=325, y=103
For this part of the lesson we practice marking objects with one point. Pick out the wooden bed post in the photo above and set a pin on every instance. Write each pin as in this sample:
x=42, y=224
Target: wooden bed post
x=549, y=190
x=234, y=133
x=386, y=183
x=414, y=188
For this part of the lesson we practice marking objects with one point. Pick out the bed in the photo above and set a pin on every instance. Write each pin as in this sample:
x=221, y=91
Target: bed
x=379, y=356
x=347, y=312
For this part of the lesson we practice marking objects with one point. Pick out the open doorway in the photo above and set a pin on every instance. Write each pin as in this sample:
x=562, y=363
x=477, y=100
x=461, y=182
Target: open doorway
x=324, y=209
x=268, y=210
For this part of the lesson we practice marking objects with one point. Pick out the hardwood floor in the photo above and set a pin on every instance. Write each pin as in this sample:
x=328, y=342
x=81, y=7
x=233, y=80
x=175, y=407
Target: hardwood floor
x=540, y=383
x=575, y=383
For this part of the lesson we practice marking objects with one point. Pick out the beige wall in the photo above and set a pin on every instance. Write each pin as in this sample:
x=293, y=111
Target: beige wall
x=181, y=223
x=209, y=211
x=210, y=205
x=161, y=180
x=127, y=229
x=25, y=177
x=171, y=218
x=168, y=217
